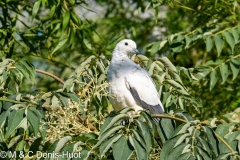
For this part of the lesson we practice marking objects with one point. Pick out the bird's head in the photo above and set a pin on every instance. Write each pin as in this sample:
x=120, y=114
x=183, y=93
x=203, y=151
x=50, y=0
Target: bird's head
x=127, y=46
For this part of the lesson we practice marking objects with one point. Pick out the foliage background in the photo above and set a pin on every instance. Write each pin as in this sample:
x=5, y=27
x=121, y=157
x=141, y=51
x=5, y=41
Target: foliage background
x=190, y=48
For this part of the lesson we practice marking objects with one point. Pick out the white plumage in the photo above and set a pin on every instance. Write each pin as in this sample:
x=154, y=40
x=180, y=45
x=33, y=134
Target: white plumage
x=131, y=85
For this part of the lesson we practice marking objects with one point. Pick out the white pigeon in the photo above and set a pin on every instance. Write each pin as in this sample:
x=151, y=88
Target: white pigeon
x=131, y=85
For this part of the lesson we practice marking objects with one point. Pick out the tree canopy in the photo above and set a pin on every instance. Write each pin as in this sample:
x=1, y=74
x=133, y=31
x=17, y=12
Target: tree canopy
x=54, y=59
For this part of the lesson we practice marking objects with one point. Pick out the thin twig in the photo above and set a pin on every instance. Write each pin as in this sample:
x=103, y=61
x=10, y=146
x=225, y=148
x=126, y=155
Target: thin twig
x=46, y=73
x=10, y=100
x=91, y=127
x=51, y=75
x=168, y=117
x=223, y=141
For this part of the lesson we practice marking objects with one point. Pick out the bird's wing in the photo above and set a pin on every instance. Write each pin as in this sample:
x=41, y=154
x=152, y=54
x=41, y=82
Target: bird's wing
x=143, y=90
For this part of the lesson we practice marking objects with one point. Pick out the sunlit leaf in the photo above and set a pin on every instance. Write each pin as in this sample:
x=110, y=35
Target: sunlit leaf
x=36, y=8
x=213, y=79
x=115, y=119
x=224, y=72
x=145, y=134
x=230, y=39
x=155, y=47
x=66, y=19
x=218, y=43
x=122, y=149
x=235, y=34
x=109, y=143
x=209, y=43
x=62, y=41
x=235, y=67
x=34, y=120
x=14, y=121
x=140, y=151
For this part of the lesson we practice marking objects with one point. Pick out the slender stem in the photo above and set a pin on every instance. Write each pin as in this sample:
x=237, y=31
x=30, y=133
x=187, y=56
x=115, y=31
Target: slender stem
x=91, y=126
x=223, y=141
x=10, y=100
x=168, y=117
x=193, y=138
x=46, y=73
x=51, y=75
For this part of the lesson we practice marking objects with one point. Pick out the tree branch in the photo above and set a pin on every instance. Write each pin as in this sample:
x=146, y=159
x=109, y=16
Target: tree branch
x=51, y=75
x=46, y=73
x=10, y=100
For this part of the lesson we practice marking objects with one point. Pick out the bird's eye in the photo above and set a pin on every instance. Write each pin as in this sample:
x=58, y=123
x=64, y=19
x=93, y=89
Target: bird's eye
x=126, y=43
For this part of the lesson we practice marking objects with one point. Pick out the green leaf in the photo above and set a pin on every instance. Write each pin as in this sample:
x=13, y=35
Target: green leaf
x=179, y=88
x=126, y=110
x=75, y=18
x=168, y=146
x=218, y=43
x=136, y=134
x=122, y=149
x=155, y=47
x=138, y=148
x=213, y=79
x=52, y=11
x=162, y=44
x=170, y=38
x=56, y=27
x=149, y=120
x=59, y=144
x=188, y=40
x=145, y=134
x=209, y=43
x=106, y=134
x=66, y=20
x=230, y=40
x=87, y=43
x=14, y=120
x=223, y=129
x=185, y=156
x=85, y=154
x=176, y=152
x=165, y=129
x=14, y=140
x=151, y=68
x=115, y=119
x=62, y=41
x=27, y=69
x=36, y=8
x=203, y=144
x=228, y=155
x=3, y=117
x=73, y=97
x=212, y=139
x=34, y=120
x=235, y=34
x=23, y=70
x=109, y=143
x=176, y=48
x=235, y=67
x=35, y=146
x=224, y=72
x=71, y=149
x=203, y=153
x=182, y=128
x=168, y=64
x=20, y=146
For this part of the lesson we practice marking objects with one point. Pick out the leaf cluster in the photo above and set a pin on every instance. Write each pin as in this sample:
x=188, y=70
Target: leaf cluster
x=53, y=88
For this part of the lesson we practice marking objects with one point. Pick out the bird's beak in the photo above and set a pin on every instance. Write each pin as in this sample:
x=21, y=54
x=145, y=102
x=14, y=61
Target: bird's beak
x=135, y=51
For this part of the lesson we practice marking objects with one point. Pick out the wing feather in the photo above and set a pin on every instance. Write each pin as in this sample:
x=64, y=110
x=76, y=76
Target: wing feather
x=143, y=90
